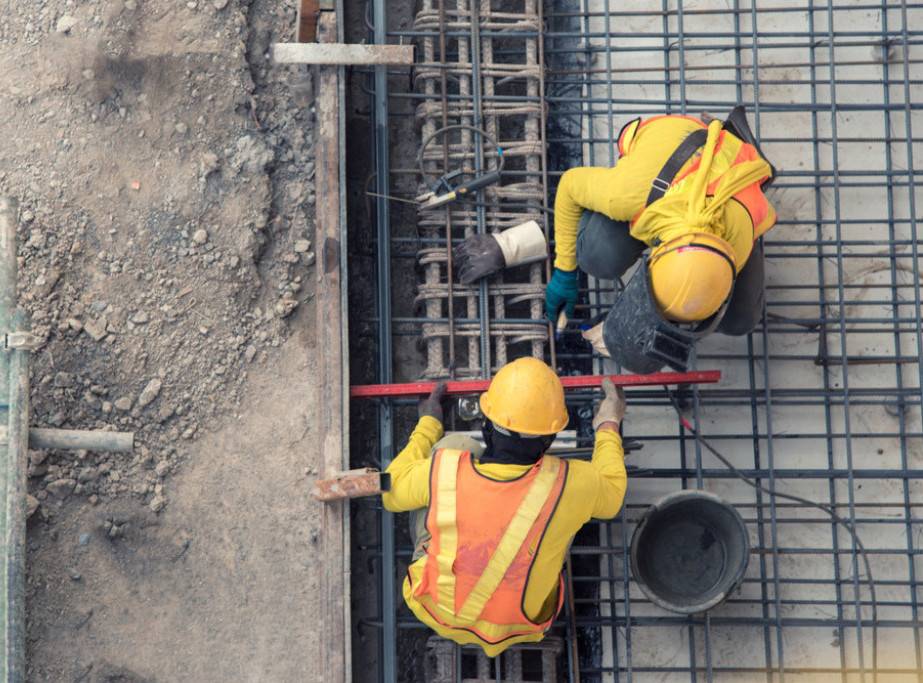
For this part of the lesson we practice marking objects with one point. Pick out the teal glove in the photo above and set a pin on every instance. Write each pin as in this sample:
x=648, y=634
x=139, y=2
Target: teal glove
x=561, y=291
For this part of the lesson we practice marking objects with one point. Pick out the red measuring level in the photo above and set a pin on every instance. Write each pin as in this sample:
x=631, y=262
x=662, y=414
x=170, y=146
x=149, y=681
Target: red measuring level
x=476, y=386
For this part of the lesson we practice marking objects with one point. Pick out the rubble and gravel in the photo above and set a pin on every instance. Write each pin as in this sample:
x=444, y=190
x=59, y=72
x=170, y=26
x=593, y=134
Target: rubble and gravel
x=165, y=233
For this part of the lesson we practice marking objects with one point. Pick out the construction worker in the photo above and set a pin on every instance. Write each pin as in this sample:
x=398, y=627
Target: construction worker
x=493, y=524
x=690, y=191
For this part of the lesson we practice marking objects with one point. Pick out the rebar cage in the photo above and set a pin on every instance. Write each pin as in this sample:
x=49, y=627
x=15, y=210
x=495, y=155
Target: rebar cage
x=820, y=403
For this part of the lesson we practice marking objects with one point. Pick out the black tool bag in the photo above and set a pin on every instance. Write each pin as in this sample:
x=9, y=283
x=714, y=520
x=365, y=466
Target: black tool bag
x=640, y=339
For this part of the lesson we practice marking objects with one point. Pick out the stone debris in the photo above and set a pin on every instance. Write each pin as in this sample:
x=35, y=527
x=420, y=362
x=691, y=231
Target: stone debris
x=150, y=392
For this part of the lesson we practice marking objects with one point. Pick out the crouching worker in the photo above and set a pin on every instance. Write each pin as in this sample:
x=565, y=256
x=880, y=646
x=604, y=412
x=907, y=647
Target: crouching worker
x=692, y=193
x=492, y=525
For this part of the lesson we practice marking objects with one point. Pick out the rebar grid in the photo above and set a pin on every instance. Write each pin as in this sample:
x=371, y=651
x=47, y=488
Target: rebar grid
x=479, y=81
x=821, y=401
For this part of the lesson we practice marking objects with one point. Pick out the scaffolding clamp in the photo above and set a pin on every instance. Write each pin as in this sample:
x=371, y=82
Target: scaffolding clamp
x=22, y=340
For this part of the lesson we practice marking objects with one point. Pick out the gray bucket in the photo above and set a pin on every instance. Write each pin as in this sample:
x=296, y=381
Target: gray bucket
x=689, y=551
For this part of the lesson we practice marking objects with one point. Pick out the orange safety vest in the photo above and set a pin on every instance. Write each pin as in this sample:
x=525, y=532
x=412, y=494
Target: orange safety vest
x=729, y=152
x=485, y=536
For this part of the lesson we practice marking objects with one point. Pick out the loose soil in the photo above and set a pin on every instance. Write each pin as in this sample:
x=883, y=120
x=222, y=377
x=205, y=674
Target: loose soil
x=164, y=169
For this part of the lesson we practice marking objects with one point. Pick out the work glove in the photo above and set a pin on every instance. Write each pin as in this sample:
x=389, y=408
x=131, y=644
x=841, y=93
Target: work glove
x=594, y=335
x=432, y=404
x=612, y=407
x=482, y=255
x=561, y=291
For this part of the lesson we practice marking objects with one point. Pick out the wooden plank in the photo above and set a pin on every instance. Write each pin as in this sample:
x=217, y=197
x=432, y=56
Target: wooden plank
x=332, y=382
x=308, y=11
x=341, y=53
x=365, y=481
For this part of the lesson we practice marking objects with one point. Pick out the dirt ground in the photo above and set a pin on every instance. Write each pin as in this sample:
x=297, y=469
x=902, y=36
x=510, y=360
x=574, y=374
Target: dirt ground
x=164, y=169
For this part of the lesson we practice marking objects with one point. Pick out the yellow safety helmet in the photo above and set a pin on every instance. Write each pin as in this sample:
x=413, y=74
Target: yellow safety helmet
x=526, y=396
x=691, y=276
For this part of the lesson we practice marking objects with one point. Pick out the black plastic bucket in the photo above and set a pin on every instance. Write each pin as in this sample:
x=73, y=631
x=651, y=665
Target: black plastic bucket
x=689, y=551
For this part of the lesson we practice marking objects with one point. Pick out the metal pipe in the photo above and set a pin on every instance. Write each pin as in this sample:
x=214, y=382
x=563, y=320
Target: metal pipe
x=15, y=540
x=81, y=439
x=12, y=646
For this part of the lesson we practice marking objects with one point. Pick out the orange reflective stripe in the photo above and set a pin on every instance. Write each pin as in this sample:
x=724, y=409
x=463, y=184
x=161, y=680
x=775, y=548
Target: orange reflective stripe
x=510, y=545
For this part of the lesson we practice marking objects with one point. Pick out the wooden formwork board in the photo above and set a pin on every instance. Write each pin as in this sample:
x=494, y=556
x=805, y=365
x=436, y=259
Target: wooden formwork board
x=333, y=381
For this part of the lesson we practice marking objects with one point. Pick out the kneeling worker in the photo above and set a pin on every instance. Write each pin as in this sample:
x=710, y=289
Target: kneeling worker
x=691, y=192
x=493, y=524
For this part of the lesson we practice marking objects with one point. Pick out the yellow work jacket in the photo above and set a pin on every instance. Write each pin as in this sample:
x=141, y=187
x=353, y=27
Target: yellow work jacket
x=621, y=192
x=590, y=490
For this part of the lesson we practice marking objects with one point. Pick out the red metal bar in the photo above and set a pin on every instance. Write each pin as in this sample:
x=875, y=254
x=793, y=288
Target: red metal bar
x=580, y=382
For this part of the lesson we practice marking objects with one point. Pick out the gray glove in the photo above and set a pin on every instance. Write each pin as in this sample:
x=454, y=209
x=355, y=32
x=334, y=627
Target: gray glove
x=432, y=404
x=612, y=407
x=482, y=255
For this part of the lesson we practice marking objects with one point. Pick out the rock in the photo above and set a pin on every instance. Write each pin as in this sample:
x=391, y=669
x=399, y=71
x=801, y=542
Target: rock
x=44, y=284
x=73, y=573
x=150, y=392
x=157, y=503
x=284, y=307
x=219, y=4
x=61, y=487
x=200, y=236
x=63, y=380
x=162, y=468
x=164, y=413
x=97, y=330
x=36, y=240
x=32, y=504
x=302, y=246
x=141, y=317
x=249, y=353
x=87, y=474
x=66, y=23
x=123, y=404
x=181, y=128
x=37, y=471
x=309, y=258
x=253, y=155
x=75, y=324
x=27, y=217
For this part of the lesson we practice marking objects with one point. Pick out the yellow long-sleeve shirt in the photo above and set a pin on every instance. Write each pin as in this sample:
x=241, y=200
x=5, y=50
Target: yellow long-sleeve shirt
x=621, y=192
x=593, y=489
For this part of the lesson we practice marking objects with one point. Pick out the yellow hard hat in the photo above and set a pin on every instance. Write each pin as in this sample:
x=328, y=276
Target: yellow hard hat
x=691, y=276
x=526, y=396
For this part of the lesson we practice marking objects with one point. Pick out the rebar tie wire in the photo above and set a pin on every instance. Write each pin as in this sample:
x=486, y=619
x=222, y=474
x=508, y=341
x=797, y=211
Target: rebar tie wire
x=846, y=524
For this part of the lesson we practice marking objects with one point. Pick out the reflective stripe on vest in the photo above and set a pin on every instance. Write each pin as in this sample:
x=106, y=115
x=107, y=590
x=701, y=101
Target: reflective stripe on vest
x=539, y=490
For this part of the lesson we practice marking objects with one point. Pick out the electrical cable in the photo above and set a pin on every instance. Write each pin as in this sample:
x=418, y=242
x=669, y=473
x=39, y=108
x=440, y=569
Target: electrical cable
x=804, y=501
x=458, y=126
